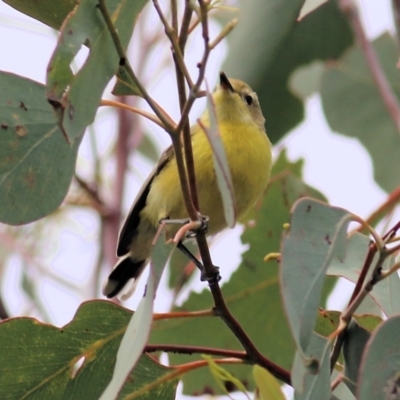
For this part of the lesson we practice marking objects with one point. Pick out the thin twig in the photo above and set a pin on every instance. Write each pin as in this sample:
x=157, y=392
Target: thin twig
x=355, y=302
x=183, y=314
x=388, y=205
x=184, y=32
x=224, y=33
x=184, y=349
x=124, y=62
x=336, y=382
x=193, y=214
x=194, y=92
x=172, y=35
x=254, y=356
x=176, y=372
x=174, y=15
x=349, y=8
x=135, y=110
x=94, y=197
x=396, y=17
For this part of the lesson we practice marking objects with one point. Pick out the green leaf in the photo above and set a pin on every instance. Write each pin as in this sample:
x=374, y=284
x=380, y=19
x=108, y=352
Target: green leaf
x=317, y=235
x=347, y=85
x=125, y=86
x=36, y=162
x=138, y=329
x=306, y=80
x=312, y=381
x=267, y=387
x=283, y=44
x=148, y=148
x=40, y=361
x=75, y=98
x=385, y=292
x=368, y=322
x=327, y=322
x=252, y=294
x=223, y=377
x=379, y=369
x=50, y=12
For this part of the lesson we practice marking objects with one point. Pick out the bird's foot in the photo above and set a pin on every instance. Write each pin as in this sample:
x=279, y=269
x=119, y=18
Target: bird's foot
x=182, y=221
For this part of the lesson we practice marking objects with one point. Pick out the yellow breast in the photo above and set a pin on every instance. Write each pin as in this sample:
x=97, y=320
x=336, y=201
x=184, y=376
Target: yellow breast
x=248, y=152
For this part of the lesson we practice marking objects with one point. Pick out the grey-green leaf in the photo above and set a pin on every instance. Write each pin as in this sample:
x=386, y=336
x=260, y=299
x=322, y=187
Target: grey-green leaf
x=308, y=384
x=386, y=292
x=353, y=348
x=76, y=97
x=379, y=371
x=279, y=45
x=354, y=107
x=36, y=162
x=317, y=235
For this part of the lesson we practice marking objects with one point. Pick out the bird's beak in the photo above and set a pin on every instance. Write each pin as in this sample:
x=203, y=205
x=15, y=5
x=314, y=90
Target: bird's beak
x=224, y=82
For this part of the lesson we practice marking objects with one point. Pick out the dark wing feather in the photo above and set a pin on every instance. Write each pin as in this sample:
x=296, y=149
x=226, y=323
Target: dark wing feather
x=132, y=221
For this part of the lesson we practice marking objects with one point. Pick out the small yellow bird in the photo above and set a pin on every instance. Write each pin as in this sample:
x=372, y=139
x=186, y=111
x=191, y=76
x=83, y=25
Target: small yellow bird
x=248, y=151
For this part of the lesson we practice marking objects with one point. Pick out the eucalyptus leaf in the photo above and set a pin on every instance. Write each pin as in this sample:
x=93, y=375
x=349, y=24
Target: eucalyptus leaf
x=76, y=97
x=36, y=162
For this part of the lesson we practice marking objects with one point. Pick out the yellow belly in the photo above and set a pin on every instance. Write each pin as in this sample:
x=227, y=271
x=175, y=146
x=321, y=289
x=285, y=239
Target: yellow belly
x=248, y=152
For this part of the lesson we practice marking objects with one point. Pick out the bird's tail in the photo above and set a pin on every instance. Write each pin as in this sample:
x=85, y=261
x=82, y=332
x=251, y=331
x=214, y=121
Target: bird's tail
x=125, y=271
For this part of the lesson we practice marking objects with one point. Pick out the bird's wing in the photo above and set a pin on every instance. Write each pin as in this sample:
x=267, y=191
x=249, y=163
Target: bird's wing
x=132, y=221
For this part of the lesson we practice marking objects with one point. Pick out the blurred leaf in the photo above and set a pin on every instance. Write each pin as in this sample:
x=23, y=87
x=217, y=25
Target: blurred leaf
x=138, y=329
x=178, y=275
x=252, y=294
x=379, y=370
x=223, y=376
x=385, y=292
x=148, y=148
x=39, y=361
x=309, y=6
x=368, y=322
x=342, y=392
x=327, y=322
x=353, y=349
x=347, y=85
x=36, y=163
x=313, y=381
x=125, y=86
x=306, y=80
x=220, y=162
x=75, y=98
x=267, y=387
x=283, y=44
x=317, y=235
x=50, y=12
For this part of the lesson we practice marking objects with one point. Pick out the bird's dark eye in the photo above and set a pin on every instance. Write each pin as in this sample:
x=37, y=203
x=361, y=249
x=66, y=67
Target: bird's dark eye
x=248, y=99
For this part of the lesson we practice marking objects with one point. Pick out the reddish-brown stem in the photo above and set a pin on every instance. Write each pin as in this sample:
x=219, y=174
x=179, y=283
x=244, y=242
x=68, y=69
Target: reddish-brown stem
x=388, y=97
x=396, y=17
x=254, y=356
x=384, y=208
x=277, y=371
x=183, y=314
x=359, y=287
x=94, y=198
x=110, y=225
x=184, y=32
x=183, y=349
